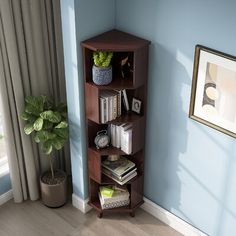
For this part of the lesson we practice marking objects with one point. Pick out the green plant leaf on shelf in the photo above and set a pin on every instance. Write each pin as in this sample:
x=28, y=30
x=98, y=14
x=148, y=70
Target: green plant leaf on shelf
x=38, y=124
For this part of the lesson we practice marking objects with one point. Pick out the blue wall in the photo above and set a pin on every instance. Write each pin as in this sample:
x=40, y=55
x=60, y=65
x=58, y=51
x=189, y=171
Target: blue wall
x=81, y=19
x=5, y=184
x=190, y=168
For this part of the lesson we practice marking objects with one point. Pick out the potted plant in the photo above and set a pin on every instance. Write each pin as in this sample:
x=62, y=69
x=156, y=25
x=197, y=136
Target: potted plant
x=48, y=125
x=102, y=70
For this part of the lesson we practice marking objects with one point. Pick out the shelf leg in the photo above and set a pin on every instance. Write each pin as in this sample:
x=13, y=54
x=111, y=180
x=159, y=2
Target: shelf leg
x=132, y=214
x=99, y=214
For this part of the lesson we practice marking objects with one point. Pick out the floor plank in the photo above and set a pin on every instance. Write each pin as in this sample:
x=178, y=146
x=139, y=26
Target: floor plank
x=34, y=219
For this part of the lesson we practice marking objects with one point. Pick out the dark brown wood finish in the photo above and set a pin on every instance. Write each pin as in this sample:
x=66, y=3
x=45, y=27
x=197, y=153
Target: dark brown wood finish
x=136, y=86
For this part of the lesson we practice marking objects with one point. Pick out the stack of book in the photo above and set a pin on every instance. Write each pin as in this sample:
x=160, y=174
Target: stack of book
x=110, y=104
x=121, y=136
x=121, y=171
x=112, y=197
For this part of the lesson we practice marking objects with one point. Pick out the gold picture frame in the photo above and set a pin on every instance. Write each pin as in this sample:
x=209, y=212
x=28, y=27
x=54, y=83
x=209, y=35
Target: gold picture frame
x=213, y=94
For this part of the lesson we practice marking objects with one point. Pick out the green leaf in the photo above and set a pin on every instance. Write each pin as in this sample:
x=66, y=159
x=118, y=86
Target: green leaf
x=58, y=143
x=32, y=110
x=47, y=147
x=47, y=125
x=62, y=133
x=43, y=136
x=54, y=117
x=62, y=125
x=35, y=104
x=38, y=124
x=29, y=128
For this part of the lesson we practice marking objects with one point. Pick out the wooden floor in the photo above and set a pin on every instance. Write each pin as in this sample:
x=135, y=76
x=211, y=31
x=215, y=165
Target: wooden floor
x=34, y=219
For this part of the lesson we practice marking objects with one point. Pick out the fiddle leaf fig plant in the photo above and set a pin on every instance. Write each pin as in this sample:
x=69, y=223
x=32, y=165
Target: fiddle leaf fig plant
x=102, y=58
x=47, y=123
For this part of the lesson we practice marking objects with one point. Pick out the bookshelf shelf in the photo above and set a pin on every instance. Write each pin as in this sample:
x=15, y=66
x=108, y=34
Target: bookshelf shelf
x=135, y=84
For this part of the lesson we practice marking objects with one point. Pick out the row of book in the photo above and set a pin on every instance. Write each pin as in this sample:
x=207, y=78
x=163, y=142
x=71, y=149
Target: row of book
x=113, y=196
x=111, y=104
x=121, y=136
x=121, y=170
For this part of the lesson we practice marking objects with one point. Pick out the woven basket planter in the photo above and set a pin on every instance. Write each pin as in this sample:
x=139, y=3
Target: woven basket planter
x=102, y=75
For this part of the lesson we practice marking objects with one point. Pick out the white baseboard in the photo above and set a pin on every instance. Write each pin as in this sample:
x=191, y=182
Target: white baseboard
x=6, y=197
x=170, y=219
x=80, y=204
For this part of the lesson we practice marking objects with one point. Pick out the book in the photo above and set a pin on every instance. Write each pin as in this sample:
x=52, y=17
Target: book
x=102, y=110
x=106, y=191
x=126, y=138
x=124, y=181
x=113, y=204
x=120, y=178
x=118, y=167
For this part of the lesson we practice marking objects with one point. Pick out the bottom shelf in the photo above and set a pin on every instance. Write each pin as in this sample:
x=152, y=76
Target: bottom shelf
x=97, y=206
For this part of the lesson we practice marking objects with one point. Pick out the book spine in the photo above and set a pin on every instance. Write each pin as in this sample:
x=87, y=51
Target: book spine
x=113, y=135
x=106, y=112
x=119, y=103
x=118, y=136
x=114, y=106
x=102, y=113
x=110, y=109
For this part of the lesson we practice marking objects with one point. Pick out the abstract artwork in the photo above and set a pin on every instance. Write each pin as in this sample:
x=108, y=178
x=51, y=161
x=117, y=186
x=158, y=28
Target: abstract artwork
x=213, y=97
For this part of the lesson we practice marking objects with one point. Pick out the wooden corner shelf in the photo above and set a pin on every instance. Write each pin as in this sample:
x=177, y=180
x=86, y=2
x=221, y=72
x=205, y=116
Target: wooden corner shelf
x=135, y=84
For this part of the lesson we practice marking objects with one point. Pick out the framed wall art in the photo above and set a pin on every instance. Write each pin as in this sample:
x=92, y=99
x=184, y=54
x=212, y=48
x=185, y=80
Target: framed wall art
x=213, y=96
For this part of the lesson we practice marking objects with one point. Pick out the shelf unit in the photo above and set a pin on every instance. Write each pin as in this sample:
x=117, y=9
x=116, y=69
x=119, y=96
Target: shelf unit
x=135, y=83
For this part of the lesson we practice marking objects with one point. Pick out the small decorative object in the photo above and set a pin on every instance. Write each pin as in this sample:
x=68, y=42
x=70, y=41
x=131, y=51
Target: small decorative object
x=102, y=70
x=136, y=105
x=102, y=139
x=126, y=67
x=47, y=123
x=213, y=98
x=113, y=157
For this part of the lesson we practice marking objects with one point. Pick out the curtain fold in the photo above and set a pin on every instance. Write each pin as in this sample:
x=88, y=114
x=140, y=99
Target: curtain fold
x=31, y=63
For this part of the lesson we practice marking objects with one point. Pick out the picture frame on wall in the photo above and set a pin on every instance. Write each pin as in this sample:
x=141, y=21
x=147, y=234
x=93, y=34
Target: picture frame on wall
x=213, y=95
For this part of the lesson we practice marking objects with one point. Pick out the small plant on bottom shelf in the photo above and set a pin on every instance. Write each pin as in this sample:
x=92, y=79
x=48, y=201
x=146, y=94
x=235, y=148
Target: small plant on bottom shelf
x=48, y=125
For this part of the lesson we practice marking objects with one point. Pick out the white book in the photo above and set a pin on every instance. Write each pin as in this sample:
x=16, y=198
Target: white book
x=113, y=135
x=123, y=137
x=127, y=142
x=102, y=110
x=105, y=95
x=118, y=136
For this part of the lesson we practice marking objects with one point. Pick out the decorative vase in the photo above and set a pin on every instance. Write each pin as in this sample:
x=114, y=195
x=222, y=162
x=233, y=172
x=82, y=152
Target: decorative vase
x=54, y=195
x=102, y=75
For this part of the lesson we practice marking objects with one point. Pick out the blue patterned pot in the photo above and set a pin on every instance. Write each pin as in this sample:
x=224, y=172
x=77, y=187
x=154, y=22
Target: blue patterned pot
x=102, y=75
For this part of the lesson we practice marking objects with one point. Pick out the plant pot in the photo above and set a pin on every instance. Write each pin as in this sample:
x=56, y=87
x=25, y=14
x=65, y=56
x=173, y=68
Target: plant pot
x=102, y=75
x=54, y=194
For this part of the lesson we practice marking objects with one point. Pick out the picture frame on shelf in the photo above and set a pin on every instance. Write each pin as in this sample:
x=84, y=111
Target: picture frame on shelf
x=213, y=96
x=136, y=105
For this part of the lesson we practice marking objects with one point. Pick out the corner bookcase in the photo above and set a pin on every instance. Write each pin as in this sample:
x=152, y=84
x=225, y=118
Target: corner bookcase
x=135, y=84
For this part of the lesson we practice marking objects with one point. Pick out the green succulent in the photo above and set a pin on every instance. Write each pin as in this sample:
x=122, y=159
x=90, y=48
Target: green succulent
x=102, y=58
x=47, y=123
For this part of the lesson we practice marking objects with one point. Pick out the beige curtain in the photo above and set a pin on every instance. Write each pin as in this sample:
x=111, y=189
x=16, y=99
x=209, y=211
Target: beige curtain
x=31, y=63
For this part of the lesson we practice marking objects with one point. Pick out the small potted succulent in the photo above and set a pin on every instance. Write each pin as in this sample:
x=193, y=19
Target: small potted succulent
x=102, y=70
x=48, y=125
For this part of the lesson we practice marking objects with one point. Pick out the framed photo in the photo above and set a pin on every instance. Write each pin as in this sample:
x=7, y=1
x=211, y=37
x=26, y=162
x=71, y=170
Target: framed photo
x=213, y=97
x=136, y=105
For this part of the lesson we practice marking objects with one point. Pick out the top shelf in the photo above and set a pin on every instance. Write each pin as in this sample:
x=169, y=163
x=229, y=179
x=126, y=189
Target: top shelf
x=115, y=40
